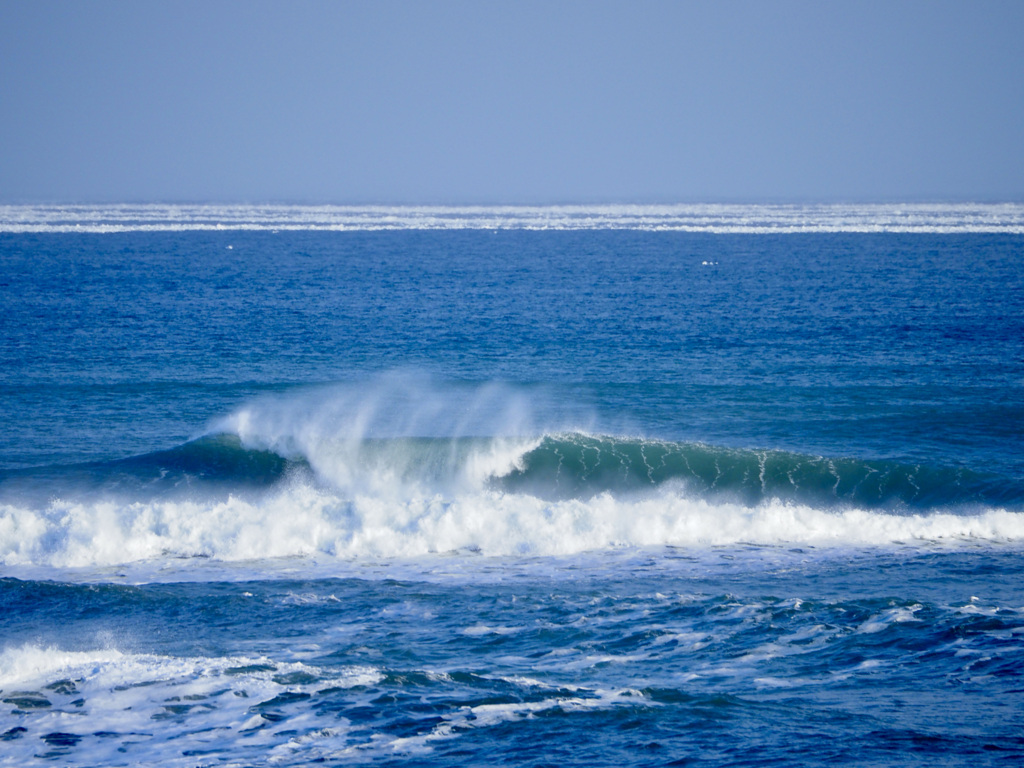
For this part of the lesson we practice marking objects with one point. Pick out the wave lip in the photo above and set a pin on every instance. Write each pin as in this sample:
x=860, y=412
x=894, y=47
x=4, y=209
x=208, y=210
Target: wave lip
x=1006, y=218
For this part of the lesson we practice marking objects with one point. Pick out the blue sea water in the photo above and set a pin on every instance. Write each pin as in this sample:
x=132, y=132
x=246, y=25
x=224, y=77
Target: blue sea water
x=665, y=485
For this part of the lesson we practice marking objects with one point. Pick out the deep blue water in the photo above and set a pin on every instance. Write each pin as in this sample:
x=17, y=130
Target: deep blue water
x=478, y=497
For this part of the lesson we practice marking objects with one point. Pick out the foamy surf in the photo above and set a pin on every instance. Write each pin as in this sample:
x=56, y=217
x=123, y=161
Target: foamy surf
x=92, y=703
x=305, y=521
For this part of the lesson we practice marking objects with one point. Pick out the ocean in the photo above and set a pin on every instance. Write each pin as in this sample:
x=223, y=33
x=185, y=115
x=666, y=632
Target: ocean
x=723, y=485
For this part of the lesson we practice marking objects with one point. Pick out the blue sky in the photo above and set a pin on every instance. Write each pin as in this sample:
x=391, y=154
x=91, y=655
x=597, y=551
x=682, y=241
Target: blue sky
x=511, y=102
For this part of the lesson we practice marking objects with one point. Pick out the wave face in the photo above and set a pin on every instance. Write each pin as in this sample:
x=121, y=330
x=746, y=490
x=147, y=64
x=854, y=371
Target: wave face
x=1007, y=218
x=349, y=443
x=204, y=464
x=553, y=467
x=577, y=465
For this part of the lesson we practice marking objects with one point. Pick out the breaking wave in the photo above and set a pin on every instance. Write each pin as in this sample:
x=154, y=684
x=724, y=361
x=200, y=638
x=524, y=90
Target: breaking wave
x=354, y=476
x=561, y=494
x=553, y=467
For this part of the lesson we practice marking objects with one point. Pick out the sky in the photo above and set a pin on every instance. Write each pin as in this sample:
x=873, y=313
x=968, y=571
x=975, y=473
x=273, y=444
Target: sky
x=452, y=102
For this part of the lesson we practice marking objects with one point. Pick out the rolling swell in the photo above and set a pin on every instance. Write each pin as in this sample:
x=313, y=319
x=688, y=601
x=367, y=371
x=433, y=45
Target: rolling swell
x=559, y=466
x=211, y=460
x=580, y=465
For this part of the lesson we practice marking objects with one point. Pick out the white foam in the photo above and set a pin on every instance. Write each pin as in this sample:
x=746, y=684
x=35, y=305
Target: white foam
x=35, y=666
x=489, y=715
x=483, y=630
x=150, y=704
x=711, y=218
x=32, y=665
x=303, y=520
x=885, y=619
x=152, y=710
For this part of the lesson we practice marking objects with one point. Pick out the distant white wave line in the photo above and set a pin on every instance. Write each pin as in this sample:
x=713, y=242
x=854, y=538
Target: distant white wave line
x=306, y=521
x=938, y=218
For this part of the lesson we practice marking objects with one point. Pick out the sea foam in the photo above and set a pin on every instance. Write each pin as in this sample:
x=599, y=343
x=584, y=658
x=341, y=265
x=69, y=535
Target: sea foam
x=303, y=521
x=100, y=702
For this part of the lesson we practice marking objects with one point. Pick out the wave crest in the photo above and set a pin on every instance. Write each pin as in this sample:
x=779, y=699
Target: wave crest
x=581, y=465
